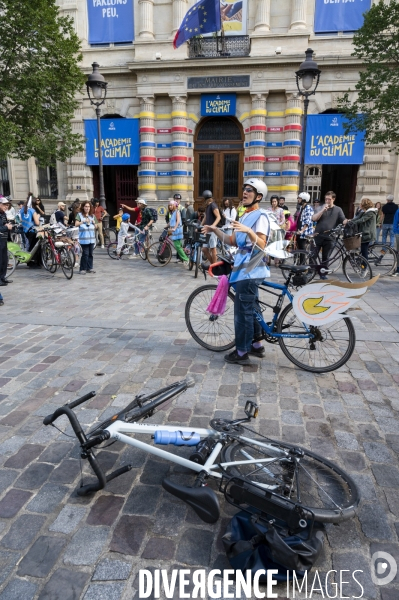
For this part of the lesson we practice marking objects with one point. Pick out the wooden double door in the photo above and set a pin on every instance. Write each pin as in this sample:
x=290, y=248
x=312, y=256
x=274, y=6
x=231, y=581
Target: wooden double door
x=219, y=159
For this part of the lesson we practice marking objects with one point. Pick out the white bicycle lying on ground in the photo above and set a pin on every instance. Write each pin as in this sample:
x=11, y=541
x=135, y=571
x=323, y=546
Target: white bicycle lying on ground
x=278, y=479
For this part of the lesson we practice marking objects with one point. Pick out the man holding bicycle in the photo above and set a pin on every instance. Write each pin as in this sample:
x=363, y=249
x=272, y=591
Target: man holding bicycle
x=5, y=227
x=327, y=218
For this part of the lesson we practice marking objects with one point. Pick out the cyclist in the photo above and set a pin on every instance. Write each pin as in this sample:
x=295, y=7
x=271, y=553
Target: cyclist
x=175, y=224
x=249, y=270
x=212, y=217
x=144, y=218
x=122, y=233
x=328, y=217
x=305, y=219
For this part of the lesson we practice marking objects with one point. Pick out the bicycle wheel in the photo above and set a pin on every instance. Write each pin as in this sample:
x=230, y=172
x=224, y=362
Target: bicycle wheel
x=11, y=264
x=72, y=255
x=210, y=331
x=159, y=254
x=111, y=250
x=66, y=263
x=48, y=259
x=313, y=482
x=383, y=259
x=356, y=268
x=112, y=235
x=197, y=260
x=142, y=250
x=300, y=257
x=330, y=347
x=191, y=259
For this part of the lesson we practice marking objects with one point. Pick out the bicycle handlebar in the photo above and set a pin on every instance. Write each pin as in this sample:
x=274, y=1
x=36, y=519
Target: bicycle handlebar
x=51, y=418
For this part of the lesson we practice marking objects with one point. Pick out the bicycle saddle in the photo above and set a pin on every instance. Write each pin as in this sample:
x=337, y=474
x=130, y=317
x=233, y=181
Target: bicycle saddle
x=295, y=268
x=202, y=500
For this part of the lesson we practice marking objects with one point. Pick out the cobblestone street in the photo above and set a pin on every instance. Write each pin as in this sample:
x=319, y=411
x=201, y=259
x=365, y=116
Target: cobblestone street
x=122, y=331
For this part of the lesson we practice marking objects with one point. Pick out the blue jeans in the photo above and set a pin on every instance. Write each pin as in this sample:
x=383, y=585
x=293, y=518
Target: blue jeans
x=378, y=233
x=385, y=230
x=86, y=262
x=246, y=327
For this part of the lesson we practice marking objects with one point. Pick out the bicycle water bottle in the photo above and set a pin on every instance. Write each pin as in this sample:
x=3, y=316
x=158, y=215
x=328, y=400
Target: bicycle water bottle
x=177, y=438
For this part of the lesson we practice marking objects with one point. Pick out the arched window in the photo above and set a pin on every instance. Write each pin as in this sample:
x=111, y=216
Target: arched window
x=313, y=172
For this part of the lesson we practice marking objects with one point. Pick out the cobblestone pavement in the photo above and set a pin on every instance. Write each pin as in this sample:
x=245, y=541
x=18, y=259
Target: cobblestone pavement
x=122, y=330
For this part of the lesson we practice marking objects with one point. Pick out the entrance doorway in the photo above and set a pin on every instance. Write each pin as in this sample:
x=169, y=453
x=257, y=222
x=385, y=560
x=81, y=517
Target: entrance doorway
x=120, y=186
x=342, y=180
x=218, y=159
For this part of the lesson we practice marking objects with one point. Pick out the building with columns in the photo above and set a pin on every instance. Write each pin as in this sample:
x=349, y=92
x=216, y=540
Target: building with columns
x=184, y=150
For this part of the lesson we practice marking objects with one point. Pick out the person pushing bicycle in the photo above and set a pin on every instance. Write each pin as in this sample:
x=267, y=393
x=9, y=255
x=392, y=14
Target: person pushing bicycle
x=250, y=236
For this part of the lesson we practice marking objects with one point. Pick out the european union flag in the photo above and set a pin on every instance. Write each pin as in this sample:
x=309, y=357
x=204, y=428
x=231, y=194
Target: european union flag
x=203, y=17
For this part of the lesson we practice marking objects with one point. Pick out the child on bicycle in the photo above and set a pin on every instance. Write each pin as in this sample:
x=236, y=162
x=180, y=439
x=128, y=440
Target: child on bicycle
x=122, y=233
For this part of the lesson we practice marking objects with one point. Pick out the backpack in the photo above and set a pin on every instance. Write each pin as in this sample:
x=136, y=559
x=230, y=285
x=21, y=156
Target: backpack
x=351, y=229
x=154, y=213
x=254, y=543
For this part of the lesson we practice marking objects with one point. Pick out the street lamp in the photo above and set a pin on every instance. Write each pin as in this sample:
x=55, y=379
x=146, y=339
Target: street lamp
x=305, y=80
x=98, y=87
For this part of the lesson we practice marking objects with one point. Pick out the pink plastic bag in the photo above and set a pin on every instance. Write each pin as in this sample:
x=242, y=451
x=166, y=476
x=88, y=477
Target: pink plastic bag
x=217, y=305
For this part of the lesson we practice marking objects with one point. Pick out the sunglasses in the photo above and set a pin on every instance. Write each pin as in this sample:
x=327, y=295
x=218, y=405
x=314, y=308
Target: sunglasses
x=248, y=189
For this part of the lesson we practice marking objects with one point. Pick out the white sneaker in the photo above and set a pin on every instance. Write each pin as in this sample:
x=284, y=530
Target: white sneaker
x=132, y=256
x=102, y=247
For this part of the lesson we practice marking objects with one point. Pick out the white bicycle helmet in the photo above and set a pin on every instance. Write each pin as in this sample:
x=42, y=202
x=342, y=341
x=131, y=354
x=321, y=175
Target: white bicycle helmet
x=259, y=185
x=304, y=196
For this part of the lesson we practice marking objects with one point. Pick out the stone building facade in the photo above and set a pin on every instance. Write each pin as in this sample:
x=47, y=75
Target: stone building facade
x=162, y=87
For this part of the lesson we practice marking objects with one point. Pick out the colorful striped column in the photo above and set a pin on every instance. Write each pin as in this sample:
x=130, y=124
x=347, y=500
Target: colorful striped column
x=255, y=166
x=147, y=171
x=291, y=146
x=181, y=166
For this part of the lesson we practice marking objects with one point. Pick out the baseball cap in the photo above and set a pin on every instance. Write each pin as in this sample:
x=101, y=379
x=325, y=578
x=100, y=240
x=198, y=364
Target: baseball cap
x=4, y=200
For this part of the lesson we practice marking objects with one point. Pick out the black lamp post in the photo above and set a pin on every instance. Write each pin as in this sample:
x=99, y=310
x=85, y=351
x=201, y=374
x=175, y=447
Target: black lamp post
x=98, y=87
x=305, y=81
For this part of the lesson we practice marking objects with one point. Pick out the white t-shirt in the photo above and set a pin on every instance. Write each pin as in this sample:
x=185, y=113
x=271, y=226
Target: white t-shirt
x=262, y=225
x=230, y=213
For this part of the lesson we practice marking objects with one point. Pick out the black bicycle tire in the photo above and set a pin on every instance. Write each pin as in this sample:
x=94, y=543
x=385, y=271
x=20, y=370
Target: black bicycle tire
x=328, y=369
x=72, y=256
x=388, y=250
x=154, y=259
x=142, y=251
x=344, y=268
x=324, y=515
x=65, y=258
x=53, y=267
x=115, y=235
x=189, y=320
x=197, y=261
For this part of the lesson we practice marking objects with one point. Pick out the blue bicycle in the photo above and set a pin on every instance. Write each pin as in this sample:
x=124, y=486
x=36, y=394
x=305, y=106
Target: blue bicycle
x=318, y=349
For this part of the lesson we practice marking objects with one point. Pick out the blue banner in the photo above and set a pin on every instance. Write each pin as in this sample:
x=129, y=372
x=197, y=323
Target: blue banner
x=336, y=15
x=119, y=141
x=327, y=144
x=110, y=21
x=218, y=104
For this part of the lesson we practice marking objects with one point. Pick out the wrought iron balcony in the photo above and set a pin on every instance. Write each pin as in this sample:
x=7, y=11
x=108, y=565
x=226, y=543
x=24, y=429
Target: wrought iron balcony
x=219, y=46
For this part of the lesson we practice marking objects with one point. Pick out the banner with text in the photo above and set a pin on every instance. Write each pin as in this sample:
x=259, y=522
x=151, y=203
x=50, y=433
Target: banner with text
x=110, y=21
x=218, y=104
x=119, y=141
x=339, y=15
x=327, y=144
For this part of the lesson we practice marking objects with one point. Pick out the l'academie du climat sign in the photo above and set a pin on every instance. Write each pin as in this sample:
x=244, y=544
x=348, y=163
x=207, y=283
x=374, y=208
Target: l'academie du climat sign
x=119, y=141
x=326, y=142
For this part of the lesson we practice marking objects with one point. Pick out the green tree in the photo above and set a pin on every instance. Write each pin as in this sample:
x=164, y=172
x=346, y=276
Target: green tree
x=39, y=79
x=376, y=109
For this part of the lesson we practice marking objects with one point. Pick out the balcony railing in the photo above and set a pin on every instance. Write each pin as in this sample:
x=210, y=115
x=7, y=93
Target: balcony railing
x=219, y=46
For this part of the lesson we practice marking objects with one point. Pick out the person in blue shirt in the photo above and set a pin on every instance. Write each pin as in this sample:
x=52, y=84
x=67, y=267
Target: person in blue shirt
x=29, y=220
x=87, y=224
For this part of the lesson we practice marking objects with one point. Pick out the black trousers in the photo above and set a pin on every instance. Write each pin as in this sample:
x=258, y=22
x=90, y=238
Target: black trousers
x=3, y=258
x=325, y=244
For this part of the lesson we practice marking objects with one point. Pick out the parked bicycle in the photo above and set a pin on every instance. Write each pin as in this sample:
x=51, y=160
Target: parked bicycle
x=280, y=479
x=159, y=254
x=344, y=251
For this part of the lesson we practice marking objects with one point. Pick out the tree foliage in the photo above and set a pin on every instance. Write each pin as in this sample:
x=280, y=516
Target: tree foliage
x=39, y=78
x=376, y=109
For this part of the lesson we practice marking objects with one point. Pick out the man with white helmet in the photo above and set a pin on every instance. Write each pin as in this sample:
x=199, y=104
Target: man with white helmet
x=250, y=234
x=305, y=219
